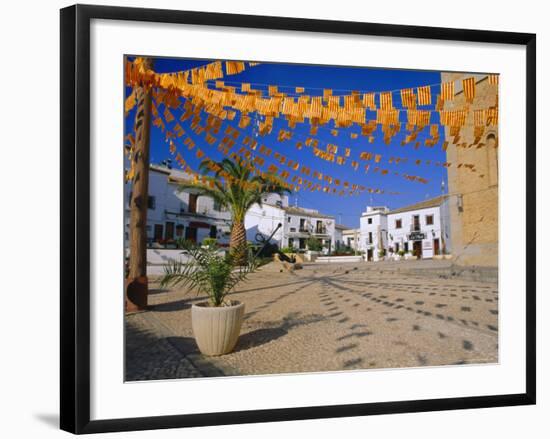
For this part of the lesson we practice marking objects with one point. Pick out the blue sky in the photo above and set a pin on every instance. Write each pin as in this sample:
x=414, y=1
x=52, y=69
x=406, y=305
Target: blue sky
x=341, y=80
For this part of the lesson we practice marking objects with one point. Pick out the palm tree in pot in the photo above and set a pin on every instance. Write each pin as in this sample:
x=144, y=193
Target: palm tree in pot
x=217, y=321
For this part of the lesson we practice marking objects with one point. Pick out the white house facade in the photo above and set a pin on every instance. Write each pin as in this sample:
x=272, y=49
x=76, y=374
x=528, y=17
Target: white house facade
x=351, y=239
x=373, y=239
x=262, y=222
x=301, y=224
x=297, y=224
x=421, y=229
x=339, y=235
x=173, y=214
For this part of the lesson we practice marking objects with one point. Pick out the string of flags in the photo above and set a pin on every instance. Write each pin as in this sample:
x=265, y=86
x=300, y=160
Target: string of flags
x=342, y=110
x=330, y=153
x=298, y=183
x=251, y=151
x=232, y=134
x=369, y=111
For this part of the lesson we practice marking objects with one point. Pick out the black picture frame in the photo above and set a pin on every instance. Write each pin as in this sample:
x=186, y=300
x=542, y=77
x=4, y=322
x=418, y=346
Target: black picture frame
x=75, y=217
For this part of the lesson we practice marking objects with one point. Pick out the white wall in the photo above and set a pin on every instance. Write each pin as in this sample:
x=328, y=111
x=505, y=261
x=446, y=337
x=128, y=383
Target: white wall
x=293, y=230
x=32, y=30
x=401, y=235
x=378, y=230
x=338, y=236
x=264, y=220
x=172, y=205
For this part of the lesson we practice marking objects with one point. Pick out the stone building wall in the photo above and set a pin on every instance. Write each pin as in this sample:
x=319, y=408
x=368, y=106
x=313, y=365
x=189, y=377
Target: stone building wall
x=473, y=195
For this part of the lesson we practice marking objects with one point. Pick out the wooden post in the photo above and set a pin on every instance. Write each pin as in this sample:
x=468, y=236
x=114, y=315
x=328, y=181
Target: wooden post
x=136, y=283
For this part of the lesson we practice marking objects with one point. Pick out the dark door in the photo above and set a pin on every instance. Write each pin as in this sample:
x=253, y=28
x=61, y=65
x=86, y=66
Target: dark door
x=169, y=232
x=213, y=232
x=158, y=232
x=417, y=249
x=191, y=234
x=193, y=203
x=436, y=246
x=369, y=254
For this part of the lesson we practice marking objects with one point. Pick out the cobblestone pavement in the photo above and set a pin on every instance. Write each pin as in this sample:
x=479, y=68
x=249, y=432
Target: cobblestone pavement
x=323, y=318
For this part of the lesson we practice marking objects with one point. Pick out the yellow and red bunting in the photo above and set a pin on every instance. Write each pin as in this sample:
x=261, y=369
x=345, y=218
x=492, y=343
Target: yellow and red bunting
x=448, y=91
x=469, y=87
x=408, y=98
x=368, y=101
x=234, y=67
x=456, y=115
x=273, y=169
x=424, y=95
x=386, y=102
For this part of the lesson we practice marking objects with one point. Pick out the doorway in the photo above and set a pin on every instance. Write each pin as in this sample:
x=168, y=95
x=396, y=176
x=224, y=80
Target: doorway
x=193, y=203
x=158, y=232
x=169, y=231
x=191, y=234
x=369, y=254
x=436, y=246
x=417, y=249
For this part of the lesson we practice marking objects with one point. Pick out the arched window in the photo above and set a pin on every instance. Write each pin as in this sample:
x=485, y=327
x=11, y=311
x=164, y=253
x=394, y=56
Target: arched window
x=491, y=140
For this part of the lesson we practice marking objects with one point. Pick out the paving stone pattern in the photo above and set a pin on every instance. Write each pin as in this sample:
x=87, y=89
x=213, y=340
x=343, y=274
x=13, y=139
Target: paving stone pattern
x=323, y=318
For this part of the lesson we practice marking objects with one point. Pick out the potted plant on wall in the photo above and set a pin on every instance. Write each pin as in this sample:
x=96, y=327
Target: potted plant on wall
x=217, y=321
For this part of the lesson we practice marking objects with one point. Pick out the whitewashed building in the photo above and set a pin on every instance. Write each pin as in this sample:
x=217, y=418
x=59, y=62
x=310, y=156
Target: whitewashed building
x=373, y=239
x=339, y=230
x=297, y=224
x=262, y=222
x=351, y=239
x=421, y=229
x=174, y=214
x=301, y=224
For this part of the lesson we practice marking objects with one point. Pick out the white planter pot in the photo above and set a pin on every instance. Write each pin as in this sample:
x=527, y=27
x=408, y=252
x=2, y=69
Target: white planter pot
x=216, y=329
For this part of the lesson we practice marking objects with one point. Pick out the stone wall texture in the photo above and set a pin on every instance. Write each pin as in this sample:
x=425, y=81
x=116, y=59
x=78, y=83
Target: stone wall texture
x=473, y=195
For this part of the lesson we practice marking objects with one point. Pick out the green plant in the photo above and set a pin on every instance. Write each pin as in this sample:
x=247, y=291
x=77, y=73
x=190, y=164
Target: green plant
x=287, y=250
x=401, y=252
x=235, y=187
x=314, y=245
x=381, y=253
x=208, y=272
x=182, y=243
x=210, y=242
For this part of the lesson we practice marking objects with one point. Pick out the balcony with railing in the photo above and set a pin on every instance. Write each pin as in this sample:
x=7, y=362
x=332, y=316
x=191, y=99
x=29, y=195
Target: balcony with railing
x=320, y=230
x=415, y=227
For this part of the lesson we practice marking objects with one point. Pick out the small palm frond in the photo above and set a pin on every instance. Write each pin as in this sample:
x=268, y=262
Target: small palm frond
x=208, y=272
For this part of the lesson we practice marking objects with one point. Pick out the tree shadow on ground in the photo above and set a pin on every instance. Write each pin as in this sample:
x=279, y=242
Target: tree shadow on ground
x=258, y=337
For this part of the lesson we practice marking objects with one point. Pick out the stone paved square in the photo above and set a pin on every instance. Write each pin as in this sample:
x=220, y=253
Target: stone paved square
x=325, y=317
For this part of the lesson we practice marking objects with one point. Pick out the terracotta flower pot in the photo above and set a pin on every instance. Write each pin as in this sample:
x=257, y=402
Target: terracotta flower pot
x=216, y=329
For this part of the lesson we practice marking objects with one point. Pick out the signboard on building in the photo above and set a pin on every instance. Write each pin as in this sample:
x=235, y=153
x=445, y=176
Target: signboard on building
x=417, y=236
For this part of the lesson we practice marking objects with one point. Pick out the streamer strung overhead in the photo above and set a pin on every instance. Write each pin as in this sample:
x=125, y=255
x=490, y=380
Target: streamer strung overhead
x=303, y=133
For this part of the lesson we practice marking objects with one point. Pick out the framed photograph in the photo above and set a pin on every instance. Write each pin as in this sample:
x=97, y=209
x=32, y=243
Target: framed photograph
x=272, y=218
